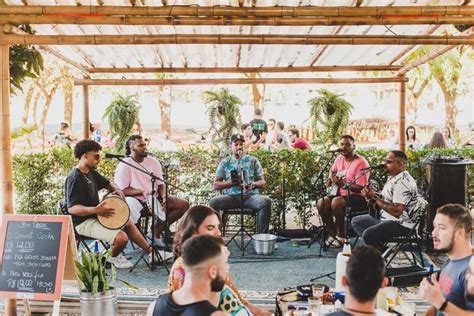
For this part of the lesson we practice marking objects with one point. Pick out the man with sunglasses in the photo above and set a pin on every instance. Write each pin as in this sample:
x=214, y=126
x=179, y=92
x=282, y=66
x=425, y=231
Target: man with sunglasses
x=82, y=199
x=399, y=204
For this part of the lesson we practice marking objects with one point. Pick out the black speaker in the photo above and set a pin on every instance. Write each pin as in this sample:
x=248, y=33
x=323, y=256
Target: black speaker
x=447, y=185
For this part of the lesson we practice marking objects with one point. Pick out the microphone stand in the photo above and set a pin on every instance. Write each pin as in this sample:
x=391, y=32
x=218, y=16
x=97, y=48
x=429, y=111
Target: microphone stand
x=241, y=230
x=153, y=178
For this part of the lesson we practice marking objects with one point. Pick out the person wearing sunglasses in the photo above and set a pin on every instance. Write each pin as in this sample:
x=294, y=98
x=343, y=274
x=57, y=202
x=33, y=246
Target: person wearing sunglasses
x=82, y=199
x=399, y=204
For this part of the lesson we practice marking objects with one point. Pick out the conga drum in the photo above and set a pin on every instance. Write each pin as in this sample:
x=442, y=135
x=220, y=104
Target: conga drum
x=121, y=215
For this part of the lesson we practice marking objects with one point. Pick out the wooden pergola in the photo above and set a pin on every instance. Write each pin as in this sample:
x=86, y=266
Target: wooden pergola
x=229, y=37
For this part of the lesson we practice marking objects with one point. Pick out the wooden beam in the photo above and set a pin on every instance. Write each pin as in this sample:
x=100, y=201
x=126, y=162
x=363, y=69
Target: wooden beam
x=430, y=56
x=244, y=69
x=224, y=81
x=6, y=180
x=229, y=11
x=235, y=39
x=86, y=119
x=401, y=116
x=233, y=21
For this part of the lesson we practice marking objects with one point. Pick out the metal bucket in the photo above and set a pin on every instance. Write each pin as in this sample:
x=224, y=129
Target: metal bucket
x=264, y=244
x=94, y=304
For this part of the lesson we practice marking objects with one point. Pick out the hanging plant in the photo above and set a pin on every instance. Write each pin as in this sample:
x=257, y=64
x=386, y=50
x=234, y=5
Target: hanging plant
x=224, y=115
x=330, y=116
x=25, y=62
x=121, y=114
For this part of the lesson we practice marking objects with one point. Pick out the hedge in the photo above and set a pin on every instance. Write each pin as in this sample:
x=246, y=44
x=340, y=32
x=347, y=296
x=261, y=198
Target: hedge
x=39, y=177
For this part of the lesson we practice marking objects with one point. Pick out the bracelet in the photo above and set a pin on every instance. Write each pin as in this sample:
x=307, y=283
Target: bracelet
x=443, y=306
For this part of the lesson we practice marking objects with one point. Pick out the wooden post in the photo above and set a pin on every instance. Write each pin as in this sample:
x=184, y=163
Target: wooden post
x=86, y=121
x=401, y=128
x=5, y=148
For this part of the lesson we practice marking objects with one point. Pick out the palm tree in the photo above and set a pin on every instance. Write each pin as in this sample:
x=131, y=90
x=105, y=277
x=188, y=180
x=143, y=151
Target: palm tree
x=224, y=115
x=121, y=114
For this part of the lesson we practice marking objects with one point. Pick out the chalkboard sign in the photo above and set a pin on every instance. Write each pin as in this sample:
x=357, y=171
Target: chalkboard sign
x=33, y=256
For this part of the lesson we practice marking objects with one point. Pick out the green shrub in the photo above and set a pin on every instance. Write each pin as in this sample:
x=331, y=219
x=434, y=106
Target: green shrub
x=39, y=177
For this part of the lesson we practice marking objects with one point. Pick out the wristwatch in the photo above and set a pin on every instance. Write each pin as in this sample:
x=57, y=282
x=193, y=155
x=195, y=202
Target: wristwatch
x=443, y=306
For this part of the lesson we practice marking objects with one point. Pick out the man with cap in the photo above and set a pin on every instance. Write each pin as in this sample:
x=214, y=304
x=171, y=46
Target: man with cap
x=241, y=171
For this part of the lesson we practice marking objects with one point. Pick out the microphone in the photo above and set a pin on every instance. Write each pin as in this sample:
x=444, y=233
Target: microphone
x=239, y=152
x=115, y=156
x=338, y=150
x=379, y=166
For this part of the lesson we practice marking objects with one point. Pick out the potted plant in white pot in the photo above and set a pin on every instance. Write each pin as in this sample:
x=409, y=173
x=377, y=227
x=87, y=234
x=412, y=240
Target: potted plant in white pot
x=97, y=295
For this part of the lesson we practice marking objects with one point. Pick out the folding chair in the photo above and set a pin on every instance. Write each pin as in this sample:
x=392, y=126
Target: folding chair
x=410, y=242
x=236, y=211
x=80, y=239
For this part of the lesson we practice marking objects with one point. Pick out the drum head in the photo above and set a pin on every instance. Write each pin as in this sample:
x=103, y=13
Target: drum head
x=121, y=216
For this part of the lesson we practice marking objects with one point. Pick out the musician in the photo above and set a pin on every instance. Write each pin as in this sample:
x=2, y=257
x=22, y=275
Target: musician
x=399, y=204
x=82, y=199
x=228, y=176
x=136, y=185
x=345, y=168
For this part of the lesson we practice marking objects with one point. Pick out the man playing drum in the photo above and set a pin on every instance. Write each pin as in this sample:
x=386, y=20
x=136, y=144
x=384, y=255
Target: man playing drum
x=82, y=199
x=137, y=187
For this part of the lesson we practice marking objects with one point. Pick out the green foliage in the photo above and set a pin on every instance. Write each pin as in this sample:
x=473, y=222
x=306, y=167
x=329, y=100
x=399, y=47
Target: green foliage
x=39, y=177
x=330, y=116
x=91, y=272
x=224, y=115
x=121, y=114
x=23, y=130
x=25, y=62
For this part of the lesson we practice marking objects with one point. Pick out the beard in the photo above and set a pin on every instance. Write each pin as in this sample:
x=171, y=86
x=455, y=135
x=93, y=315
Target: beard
x=448, y=248
x=469, y=295
x=218, y=283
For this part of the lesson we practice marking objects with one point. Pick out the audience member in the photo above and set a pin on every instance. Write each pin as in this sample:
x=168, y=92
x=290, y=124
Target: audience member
x=451, y=235
x=64, y=137
x=203, y=220
x=251, y=142
x=449, y=141
x=437, y=141
x=259, y=126
x=470, y=140
x=271, y=132
x=205, y=262
x=298, y=142
x=411, y=141
x=365, y=272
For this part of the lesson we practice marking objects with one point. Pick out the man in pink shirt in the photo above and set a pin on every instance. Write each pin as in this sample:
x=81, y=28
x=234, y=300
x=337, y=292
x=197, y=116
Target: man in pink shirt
x=347, y=166
x=137, y=186
x=298, y=142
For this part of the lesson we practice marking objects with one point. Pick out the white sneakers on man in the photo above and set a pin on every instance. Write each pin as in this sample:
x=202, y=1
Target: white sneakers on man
x=120, y=262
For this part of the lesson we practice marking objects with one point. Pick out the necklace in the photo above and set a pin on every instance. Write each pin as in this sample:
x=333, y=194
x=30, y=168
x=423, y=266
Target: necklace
x=89, y=181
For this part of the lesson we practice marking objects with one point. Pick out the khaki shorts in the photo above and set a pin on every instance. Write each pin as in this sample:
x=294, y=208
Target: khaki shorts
x=93, y=229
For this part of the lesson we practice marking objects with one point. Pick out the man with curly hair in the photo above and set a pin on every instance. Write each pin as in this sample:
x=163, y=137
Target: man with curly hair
x=82, y=199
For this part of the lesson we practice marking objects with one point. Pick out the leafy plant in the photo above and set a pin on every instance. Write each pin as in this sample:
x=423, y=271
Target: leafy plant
x=25, y=62
x=91, y=272
x=23, y=130
x=121, y=114
x=330, y=116
x=224, y=115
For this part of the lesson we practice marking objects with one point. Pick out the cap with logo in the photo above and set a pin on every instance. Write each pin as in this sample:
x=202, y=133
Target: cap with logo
x=237, y=137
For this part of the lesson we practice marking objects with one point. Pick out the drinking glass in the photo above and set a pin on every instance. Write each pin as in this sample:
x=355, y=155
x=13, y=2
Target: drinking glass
x=314, y=305
x=318, y=291
x=391, y=293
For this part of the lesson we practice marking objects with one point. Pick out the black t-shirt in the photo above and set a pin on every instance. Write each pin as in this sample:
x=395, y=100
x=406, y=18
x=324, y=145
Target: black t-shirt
x=165, y=306
x=258, y=127
x=339, y=313
x=83, y=189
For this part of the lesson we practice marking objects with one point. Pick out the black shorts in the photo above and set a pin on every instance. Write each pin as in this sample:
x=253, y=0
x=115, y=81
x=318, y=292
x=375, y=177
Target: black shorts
x=356, y=202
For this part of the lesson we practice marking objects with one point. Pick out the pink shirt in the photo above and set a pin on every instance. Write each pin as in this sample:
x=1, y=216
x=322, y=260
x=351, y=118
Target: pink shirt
x=126, y=176
x=349, y=170
x=301, y=143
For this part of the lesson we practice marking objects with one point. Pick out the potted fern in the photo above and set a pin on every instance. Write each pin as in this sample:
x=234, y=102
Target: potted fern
x=97, y=295
x=330, y=116
x=121, y=114
x=224, y=115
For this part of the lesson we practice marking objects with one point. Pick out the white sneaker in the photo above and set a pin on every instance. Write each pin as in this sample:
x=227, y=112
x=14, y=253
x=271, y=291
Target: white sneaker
x=120, y=262
x=165, y=255
x=158, y=242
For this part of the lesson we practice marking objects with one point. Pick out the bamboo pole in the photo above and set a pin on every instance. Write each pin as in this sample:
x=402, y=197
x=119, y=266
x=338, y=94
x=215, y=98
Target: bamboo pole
x=234, y=21
x=223, y=81
x=430, y=56
x=235, y=39
x=86, y=119
x=229, y=11
x=244, y=69
x=401, y=118
x=5, y=148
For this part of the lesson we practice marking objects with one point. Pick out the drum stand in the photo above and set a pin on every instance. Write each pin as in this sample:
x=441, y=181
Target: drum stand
x=242, y=246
